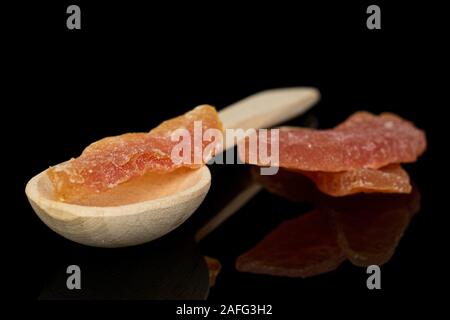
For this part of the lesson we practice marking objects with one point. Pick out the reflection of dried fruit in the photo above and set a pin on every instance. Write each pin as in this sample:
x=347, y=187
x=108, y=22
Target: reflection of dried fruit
x=214, y=268
x=291, y=185
x=367, y=229
x=364, y=140
x=114, y=160
x=301, y=247
x=370, y=226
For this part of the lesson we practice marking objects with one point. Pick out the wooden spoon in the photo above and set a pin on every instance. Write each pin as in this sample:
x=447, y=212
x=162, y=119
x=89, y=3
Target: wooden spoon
x=150, y=206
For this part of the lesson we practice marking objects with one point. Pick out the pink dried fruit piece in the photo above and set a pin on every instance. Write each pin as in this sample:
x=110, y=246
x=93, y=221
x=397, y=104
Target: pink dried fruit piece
x=364, y=140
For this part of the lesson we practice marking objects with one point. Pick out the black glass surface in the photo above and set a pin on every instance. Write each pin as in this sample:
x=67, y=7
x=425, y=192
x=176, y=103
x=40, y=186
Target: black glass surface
x=131, y=67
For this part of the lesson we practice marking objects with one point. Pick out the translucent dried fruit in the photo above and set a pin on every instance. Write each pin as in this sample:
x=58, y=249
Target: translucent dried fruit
x=364, y=140
x=389, y=179
x=114, y=160
x=293, y=185
x=301, y=247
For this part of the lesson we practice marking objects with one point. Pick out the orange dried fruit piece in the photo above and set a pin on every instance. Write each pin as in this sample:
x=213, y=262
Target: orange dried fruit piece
x=364, y=140
x=300, y=185
x=390, y=179
x=114, y=160
x=301, y=247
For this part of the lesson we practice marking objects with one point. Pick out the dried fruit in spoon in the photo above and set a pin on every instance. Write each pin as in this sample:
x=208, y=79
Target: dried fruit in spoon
x=114, y=160
x=364, y=140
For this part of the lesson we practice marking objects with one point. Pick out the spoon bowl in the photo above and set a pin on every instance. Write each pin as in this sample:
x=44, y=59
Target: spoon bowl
x=143, y=211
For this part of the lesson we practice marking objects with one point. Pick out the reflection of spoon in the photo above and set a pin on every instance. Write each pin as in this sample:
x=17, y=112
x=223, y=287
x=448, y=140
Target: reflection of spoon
x=168, y=268
x=138, y=215
x=363, y=228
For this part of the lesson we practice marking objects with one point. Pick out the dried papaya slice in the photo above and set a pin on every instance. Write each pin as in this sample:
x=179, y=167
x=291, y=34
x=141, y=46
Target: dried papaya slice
x=390, y=179
x=115, y=160
x=364, y=140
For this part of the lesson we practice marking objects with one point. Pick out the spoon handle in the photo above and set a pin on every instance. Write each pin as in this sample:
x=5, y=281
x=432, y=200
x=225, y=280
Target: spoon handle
x=261, y=110
x=228, y=210
x=234, y=195
x=269, y=108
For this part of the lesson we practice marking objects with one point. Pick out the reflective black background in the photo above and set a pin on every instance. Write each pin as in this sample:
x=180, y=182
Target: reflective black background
x=131, y=66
